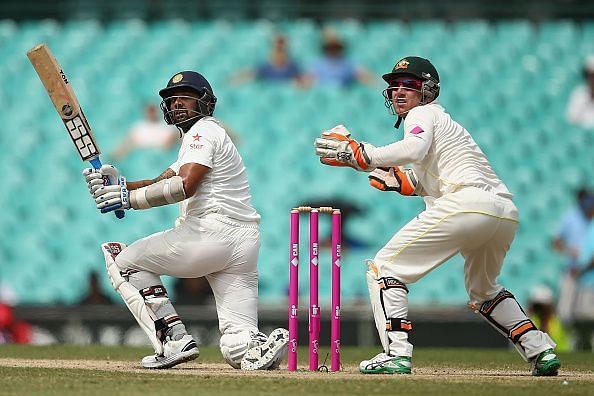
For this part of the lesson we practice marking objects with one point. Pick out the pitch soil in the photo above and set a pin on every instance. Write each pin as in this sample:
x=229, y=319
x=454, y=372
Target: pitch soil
x=349, y=372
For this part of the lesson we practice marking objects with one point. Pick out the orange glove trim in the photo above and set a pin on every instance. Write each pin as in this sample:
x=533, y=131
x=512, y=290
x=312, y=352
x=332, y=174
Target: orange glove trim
x=377, y=184
x=358, y=154
x=406, y=188
x=333, y=162
x=336, y=136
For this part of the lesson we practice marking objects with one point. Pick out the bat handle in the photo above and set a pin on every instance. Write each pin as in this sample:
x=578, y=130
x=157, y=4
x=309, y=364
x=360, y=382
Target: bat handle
x=96, y=163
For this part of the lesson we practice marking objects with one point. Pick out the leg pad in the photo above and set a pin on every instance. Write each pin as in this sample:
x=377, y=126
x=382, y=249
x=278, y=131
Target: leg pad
x=389, y=303
x=131, y=296
x=505, y=314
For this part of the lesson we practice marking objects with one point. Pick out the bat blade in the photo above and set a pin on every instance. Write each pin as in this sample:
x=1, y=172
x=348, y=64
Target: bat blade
x=66, y=103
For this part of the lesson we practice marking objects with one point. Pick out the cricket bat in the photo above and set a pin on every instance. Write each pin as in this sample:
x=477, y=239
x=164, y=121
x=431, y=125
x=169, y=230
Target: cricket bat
x=62, y=96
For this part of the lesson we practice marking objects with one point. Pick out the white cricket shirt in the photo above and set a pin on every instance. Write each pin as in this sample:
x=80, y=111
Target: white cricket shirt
x=148, y=134
x=224, y=189
x=580, y=109
x=441, y=153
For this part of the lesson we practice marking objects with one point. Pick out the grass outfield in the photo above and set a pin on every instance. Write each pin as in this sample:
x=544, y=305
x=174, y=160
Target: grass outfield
x=99, y=370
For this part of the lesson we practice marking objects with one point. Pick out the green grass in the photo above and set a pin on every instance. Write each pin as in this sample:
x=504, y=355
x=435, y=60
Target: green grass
x=432, y=363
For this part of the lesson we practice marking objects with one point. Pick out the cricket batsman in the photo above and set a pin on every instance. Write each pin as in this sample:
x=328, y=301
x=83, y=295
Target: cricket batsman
x=216, y=236
x=468, y=211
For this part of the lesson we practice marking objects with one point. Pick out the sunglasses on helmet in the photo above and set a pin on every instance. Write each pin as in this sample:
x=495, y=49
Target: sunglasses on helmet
x=406, y=83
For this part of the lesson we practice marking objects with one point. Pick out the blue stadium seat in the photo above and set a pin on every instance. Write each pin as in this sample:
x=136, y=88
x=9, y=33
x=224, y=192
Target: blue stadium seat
x=117, y=66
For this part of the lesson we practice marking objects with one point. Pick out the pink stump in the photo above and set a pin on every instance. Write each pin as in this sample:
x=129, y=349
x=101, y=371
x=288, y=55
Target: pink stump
x=314, y=307
x=335, y=301
x=293, y=290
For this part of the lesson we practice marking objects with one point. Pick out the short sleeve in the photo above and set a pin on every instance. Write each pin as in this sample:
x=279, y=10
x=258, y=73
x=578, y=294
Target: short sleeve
x=587, y=250
x=563, y=228
x=175, y=167
x=198, y=147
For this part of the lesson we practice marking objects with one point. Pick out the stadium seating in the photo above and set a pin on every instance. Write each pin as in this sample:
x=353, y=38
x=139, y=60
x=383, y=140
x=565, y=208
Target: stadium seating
x=507, y=82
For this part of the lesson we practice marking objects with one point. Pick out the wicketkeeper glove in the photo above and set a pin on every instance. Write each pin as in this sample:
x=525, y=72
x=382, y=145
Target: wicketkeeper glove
x=336, y=148
x=398, y=179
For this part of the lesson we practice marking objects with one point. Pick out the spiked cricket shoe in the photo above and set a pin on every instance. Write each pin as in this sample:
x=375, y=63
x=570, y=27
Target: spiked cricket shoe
x=174, y=353
x=268, y=355
x=546, y=364
x=386, y=364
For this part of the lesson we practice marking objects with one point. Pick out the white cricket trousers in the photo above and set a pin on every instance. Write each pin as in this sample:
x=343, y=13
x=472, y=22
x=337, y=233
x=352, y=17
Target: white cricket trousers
x=478, y=224
x=481, y=226
x=223, y=250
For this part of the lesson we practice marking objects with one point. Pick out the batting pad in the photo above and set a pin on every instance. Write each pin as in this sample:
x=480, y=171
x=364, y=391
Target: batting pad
x=131, y=296
x=234, y=346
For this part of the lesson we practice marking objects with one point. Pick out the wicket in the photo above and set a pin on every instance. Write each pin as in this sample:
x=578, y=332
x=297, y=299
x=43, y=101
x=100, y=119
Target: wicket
x=314, y=308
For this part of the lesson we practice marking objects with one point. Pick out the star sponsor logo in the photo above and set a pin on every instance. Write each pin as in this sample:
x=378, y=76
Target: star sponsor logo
x=196, y=146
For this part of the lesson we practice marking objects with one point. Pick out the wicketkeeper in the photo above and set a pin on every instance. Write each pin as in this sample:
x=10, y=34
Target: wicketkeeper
x=469, y=211
x=216, y=236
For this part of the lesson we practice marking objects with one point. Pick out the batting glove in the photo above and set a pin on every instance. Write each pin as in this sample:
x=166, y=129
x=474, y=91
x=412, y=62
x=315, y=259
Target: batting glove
x=113, y=196
x=336, y=148
x=398, y=179
x=93, y=178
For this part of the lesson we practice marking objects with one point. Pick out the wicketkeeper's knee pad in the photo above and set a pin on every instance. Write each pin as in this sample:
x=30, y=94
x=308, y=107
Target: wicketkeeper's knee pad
x=505, y=314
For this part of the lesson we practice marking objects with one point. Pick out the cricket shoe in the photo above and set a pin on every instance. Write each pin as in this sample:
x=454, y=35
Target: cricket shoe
x=269, y=354
x=546, y=364
x=174, y=353
x=386, y=364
